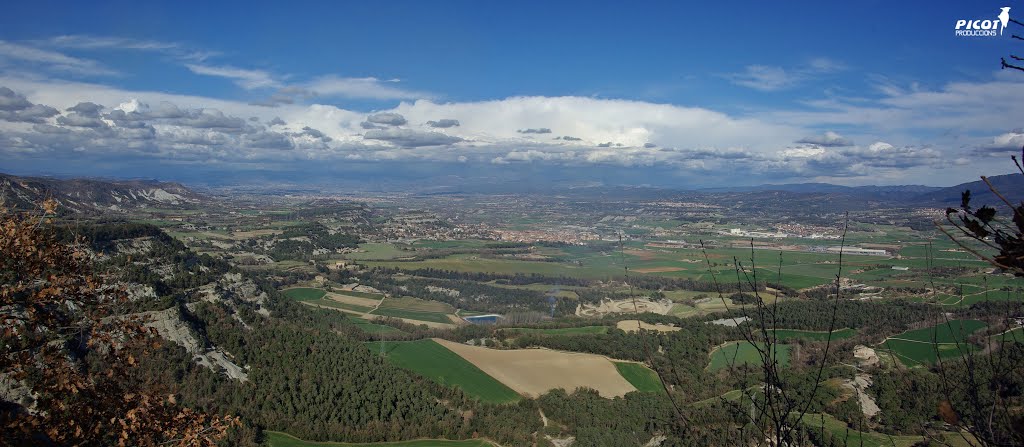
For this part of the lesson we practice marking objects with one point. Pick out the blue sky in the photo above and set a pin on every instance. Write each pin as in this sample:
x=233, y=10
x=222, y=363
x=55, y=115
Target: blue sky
x=659, y=93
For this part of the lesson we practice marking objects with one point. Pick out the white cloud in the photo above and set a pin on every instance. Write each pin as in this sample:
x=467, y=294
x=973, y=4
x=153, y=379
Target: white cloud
x=369, y=88
x=247, y=79
x=770, y=78
x=50, y=60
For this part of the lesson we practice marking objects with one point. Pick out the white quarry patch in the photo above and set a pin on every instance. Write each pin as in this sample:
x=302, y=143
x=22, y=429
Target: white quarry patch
x=731, y=322
x=446, y=291
x=160, y=195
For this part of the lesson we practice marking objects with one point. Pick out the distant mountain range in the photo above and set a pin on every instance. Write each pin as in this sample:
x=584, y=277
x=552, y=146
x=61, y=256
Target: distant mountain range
x=1010, y=185
x=104, y=195
x=94, y=195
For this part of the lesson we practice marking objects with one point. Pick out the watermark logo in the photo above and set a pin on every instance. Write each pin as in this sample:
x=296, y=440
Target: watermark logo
x=984, y=27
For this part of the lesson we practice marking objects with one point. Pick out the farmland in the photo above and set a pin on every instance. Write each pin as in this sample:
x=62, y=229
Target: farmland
x=533, y=372
x=438, y=363
x=927, y=345
x=642, y=377
x=415, y=309
x=304, y=293
x=743, y=353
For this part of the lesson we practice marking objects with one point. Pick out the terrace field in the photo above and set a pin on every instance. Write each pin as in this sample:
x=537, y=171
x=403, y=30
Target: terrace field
x=436, y=362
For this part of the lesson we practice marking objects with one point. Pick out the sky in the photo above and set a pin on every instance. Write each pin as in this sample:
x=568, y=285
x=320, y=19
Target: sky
x=426, y=94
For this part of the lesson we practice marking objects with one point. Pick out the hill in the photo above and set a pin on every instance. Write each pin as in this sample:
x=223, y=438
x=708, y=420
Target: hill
x=95, y=195
x=1010, y=186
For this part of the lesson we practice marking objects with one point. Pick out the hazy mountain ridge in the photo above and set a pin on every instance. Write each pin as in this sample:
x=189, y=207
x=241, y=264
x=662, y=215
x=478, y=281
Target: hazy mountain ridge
x=1011, y=186
x=95, y=195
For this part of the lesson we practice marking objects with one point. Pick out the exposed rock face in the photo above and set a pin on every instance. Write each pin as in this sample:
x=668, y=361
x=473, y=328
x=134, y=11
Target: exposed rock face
x=235, y=288
x=15, y=391
x=859, y=385
x=171, y=327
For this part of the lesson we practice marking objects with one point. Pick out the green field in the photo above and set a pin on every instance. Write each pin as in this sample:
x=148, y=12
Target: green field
x=799, y=270
x=789, y=334
x=373, y=296
x=583, y=330
x=642, y=377
x=278, y=439
x=433, y=317
x=415, y=309
x=945, y=332
x=742, y=352
x=840, y=430
x=379, y=251
x=374, y=328
x=928, y=345
x=304, y=293
x=431, y=360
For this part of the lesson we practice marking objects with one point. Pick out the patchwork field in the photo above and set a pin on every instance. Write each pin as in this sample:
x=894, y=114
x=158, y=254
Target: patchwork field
x=347, y=298
x=533, y=372
x=436, y=362
x=278, y=439
x=409, y=308
x=743, y=353
x=928, y=345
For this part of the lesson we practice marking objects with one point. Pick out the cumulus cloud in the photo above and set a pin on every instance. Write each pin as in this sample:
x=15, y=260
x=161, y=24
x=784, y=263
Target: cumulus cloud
x=313, y=133
x=268, y=140
x=1009, y=142
x=210, y=119
x=391, y=119
x=829, y=139
x=14, y=107
x=81, y=120
x=10, y=101
x=538, y=130
x=443, y=123
x=690, y=139
x=86, y=109
x=411, y=138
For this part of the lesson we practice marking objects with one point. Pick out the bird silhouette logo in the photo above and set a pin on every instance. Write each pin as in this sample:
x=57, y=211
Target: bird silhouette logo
x=1004, y=18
